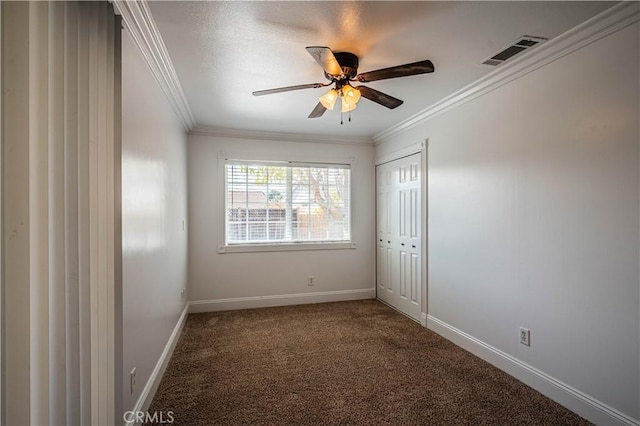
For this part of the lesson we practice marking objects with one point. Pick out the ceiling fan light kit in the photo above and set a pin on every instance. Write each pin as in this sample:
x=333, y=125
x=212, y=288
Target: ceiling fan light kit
x=328, y=100
x=340, y=68
x=350, y=95
x=347, y=107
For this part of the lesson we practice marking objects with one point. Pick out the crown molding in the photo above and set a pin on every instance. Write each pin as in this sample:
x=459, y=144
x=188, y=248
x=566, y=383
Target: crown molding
x=279, y=137
x=137, y=18
x=609, y=21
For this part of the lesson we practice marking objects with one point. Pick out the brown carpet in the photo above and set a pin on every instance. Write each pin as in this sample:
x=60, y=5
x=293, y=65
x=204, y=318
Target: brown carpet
x=337, y=363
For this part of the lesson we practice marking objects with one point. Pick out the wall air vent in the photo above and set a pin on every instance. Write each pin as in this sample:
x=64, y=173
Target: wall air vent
x=515, y=48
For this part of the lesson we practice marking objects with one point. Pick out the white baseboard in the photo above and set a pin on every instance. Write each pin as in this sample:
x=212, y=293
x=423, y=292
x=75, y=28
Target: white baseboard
x=580, y=403
x=423, y=319
x=215, y=305
x=149, y=391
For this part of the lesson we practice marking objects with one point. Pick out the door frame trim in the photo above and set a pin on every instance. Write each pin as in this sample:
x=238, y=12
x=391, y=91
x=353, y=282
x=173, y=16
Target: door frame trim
x=415, y=148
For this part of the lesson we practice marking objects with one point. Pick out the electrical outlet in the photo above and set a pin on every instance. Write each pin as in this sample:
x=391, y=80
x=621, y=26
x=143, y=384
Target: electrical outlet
x=132, y=380
x=183, y=291
x=311, y=281
x=525, y=336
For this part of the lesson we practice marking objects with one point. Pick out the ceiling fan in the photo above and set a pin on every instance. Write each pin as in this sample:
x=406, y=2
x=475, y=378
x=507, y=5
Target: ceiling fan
x=341, y=68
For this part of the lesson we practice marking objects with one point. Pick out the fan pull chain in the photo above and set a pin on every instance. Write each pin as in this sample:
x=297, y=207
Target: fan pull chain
x=341, y=120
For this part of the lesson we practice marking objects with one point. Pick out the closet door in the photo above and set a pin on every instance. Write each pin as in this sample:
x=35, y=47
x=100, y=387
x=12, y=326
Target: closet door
x=399, y=234
x=384, y=278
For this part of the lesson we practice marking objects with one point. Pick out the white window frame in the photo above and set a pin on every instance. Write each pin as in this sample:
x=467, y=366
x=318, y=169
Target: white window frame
x=223, y=247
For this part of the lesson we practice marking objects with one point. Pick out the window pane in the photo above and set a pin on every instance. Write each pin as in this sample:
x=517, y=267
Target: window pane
x=281, y=203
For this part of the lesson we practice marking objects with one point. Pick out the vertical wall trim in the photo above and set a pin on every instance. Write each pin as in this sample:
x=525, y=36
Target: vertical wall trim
x=84, y=245
x=38, y=170
x=2, y=419
x=16, y=320
x=117, y=209
x=61, y=276
x=56, y=237
x=424, y=156
x=71, y=216
x=103, y=164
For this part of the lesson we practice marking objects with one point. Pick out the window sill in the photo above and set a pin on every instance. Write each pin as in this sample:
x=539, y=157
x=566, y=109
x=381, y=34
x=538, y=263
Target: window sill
x=252, y=248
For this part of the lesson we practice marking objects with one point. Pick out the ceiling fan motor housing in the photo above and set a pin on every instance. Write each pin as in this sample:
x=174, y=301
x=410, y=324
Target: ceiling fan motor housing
x=349, y=64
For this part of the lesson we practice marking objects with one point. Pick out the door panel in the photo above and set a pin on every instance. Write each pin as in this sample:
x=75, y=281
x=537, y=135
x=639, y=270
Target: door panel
x=389, y=268
x=381, y=274
x=403, y=274
x=399, y=234
x=414, y=218
x=403, y=214
x=415, y=277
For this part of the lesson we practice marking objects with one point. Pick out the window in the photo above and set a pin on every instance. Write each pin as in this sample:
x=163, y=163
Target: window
x=280, y=203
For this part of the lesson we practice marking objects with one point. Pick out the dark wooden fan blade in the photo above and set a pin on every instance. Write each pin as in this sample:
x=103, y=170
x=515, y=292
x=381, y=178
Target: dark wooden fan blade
x=422, y=67
x=288, y=89
x=317, y=111
x=324, y=56
x=379, y=97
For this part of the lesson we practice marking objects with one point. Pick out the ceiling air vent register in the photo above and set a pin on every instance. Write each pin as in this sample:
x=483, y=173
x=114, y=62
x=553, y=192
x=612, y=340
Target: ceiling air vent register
x=516, y=48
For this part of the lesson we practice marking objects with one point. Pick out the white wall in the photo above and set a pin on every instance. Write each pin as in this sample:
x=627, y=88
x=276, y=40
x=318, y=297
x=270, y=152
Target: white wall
x=214, y=276
x=534, y=218
x=154, y=205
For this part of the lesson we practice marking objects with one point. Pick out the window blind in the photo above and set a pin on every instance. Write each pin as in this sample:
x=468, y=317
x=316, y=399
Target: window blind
x=267, y=202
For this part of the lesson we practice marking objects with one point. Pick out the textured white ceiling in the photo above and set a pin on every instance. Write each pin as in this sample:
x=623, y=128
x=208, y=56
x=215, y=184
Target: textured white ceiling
x=224, y=50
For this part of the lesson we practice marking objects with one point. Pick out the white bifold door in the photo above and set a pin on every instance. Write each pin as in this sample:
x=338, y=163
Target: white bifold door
x=399, y=234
